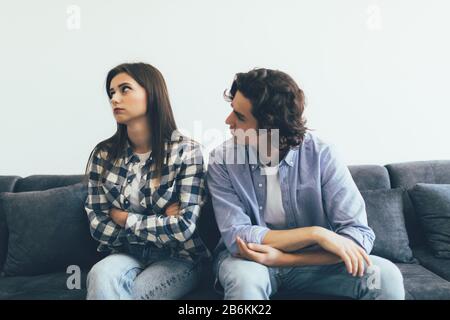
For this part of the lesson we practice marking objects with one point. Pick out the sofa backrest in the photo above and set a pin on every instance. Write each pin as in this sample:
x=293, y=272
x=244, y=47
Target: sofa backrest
x=207, y=225
x=366, y=177
x=406, y=175
x=7, y=183
x=45, y=182
x=370, y=177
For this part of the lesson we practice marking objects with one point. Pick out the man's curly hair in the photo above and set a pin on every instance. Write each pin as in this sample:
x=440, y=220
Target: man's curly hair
x=277, y=103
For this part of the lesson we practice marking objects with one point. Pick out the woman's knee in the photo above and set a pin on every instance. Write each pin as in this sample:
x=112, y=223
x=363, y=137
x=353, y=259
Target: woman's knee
x=108, y=274
x=99, y=272
x=167, y=279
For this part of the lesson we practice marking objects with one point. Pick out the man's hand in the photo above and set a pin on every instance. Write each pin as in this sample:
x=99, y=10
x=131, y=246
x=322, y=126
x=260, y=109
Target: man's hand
x=351, y=254
x=118, y=216
x=260, y=253
x=173, y=210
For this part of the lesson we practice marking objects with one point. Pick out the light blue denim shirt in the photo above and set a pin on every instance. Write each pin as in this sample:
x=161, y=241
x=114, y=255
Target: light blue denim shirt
x=317, y=190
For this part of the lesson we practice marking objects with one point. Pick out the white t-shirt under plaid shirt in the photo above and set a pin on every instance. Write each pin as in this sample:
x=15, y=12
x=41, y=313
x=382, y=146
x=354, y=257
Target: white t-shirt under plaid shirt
x=135, y=189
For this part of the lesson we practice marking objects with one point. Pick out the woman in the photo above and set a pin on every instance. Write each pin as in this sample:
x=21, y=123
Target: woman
x=145, y=189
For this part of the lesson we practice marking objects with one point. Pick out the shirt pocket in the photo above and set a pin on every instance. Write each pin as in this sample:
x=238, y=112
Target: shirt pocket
x=113, y=193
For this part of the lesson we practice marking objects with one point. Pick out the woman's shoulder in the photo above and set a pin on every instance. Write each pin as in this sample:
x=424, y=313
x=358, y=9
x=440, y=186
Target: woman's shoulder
x=99, y=154
x=185, y=147
x=180, y=142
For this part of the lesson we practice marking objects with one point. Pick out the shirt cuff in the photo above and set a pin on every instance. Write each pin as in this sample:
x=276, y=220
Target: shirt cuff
x=257, y=234
x=356, y=237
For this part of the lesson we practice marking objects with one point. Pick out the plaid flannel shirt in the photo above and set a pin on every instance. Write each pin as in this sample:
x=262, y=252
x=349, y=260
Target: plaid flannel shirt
x=182, y=180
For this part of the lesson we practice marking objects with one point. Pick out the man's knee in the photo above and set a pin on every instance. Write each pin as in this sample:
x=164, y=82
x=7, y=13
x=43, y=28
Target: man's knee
x=386, y=279
x=244, y=279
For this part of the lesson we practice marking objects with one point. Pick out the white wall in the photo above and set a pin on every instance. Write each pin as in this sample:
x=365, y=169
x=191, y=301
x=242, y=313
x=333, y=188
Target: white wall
x=375, y=73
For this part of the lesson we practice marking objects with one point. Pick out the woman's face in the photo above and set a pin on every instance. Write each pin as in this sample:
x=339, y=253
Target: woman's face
x=128, y=98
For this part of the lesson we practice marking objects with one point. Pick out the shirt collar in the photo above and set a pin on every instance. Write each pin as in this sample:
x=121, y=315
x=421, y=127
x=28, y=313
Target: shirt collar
x=288, y=158
x=131, y=156
x=129, y=153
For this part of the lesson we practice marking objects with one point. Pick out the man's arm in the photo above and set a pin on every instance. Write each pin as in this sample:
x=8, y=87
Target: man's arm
x=342, y=201
x=273, y=257
x=232, y=219
x=292, y=239
x=312, y=258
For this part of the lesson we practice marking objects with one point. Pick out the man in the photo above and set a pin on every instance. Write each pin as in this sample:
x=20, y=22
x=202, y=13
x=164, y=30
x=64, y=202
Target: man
x=292, y=221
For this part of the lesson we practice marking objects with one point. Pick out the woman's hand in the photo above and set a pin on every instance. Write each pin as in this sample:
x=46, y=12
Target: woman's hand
x=118, y=216
x=173, y=210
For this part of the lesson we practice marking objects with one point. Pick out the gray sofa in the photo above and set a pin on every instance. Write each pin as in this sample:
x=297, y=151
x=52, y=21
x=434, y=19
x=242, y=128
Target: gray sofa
x=426, y=277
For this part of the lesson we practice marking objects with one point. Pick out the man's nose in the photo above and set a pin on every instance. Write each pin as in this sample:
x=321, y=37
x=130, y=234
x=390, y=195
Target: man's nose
x=229, y=119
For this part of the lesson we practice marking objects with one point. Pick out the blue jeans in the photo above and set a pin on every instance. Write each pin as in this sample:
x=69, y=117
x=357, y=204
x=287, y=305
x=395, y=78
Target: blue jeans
x=131, y=276
x=240, y=279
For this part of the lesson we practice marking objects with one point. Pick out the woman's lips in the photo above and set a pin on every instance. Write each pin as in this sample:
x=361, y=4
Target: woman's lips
x=118, y=110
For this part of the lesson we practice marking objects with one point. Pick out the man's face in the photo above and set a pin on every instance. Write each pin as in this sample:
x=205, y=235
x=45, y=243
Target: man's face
x=243, y=125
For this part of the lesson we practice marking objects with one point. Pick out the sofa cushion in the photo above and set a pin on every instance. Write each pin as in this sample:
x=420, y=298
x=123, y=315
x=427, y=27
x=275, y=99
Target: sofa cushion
x=51, y=286
x=422, y=284
x=48, y=231
x=385, y=216
x=432, y=203
x=440, y=266
x=406, y=175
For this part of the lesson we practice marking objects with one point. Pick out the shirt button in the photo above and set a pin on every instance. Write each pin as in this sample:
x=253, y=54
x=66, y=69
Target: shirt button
x=126, y=201
x=260, y=208
x=260, y=185
x=129, y=180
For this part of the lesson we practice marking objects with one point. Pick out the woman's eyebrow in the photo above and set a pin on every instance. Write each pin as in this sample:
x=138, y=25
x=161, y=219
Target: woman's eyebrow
x=120, y=85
